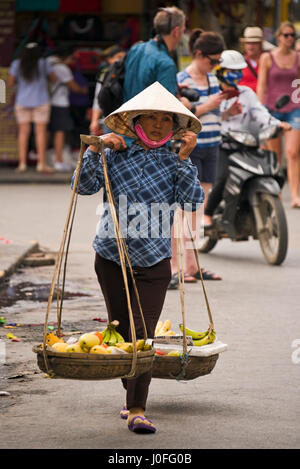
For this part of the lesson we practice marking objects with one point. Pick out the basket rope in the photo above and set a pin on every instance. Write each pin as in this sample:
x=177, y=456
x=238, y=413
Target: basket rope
x=179, y=235
x=65, y=242
x=58, y=263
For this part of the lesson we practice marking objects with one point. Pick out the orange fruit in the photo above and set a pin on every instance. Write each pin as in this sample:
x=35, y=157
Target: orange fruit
x=99, y=335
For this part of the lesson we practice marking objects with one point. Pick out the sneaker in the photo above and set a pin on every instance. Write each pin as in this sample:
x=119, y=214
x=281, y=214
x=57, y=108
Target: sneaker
x=62, y=167
x=174, y=282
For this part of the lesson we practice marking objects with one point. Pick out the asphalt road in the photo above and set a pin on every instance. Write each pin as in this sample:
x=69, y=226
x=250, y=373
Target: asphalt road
x=251, y=399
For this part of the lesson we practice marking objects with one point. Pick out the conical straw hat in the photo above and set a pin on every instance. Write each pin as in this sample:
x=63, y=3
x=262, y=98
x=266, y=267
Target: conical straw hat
x=154, y=98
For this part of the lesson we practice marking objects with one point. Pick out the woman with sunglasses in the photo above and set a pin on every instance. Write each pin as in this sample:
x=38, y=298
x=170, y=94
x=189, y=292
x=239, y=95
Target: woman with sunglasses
x=278, y=74
x=205, y=48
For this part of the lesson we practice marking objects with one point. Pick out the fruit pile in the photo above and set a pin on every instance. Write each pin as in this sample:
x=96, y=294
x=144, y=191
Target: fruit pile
x=163, y=329
x=100, y=342
x=199, y=338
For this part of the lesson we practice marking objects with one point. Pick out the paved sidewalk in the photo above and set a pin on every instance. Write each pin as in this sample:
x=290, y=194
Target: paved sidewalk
x=13, y=254
x=31, y=176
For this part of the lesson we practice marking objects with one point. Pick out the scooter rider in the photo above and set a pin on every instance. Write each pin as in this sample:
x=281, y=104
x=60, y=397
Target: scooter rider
x=241, y=109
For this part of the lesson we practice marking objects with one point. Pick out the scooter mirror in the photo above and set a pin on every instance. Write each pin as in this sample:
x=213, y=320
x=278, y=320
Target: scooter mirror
x=282, y=101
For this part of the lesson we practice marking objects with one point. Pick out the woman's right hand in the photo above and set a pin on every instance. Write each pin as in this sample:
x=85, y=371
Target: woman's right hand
x=235, y=108
x=111, y=140
x=214, y=101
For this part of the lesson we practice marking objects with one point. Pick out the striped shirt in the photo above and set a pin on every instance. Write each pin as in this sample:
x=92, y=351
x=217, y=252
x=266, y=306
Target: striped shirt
x=147, y=186
x=210, y=134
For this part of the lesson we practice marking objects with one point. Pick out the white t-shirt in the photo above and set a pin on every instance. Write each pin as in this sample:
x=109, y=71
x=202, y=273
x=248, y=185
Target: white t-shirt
x=253, y=112
x=59, y=90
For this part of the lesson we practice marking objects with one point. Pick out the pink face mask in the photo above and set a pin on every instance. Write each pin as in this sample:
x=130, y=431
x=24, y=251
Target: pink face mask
x=150, y=143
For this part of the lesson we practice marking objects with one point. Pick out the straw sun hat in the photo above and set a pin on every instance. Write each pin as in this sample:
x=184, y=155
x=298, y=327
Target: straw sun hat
x=155, y=98
x=255, y=34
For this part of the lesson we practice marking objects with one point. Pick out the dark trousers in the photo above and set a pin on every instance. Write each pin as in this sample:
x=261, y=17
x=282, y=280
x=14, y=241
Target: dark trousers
x=152, y=283
x=216, y=193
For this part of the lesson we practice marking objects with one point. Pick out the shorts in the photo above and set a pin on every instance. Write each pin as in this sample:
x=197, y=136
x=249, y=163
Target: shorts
x=38, y=115
x=206, y=160
x=292, y=117
x=60, y=119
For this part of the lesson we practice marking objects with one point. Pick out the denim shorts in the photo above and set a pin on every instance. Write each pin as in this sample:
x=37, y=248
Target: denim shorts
x=206, y=160
x=292, y=117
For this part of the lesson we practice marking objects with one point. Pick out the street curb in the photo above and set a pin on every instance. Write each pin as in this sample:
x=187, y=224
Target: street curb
x=9, y=176
x=13, y=260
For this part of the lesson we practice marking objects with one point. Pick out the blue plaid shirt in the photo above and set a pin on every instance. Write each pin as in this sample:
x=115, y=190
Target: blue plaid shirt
x=147, y=186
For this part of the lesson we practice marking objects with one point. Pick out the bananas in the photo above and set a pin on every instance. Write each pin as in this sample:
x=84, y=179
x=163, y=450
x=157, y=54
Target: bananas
x=110, y=336
x=209, y=338
x=193, y=334
x=159, y=325
x=163, y=328
x=125, y=346
x=200, y=338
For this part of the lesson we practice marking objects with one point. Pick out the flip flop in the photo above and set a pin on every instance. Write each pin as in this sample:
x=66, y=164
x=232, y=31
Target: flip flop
x=207, y=275
x=141, y=427
x=124, y=413
x=189, y=278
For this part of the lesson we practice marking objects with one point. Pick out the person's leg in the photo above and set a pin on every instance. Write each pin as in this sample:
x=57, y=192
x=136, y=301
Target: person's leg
x=191, y=266
x=199, y=159
x=58, y=143
x=152, y=283
x=40, y=131
x=24, y=130
x=275, y=144
x=111, y=282
x=209, y=158
x=292, y=147
x=216, y=193
x=41, y=116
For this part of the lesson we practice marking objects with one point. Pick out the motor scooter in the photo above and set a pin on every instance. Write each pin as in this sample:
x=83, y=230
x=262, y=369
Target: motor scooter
x=251, y=204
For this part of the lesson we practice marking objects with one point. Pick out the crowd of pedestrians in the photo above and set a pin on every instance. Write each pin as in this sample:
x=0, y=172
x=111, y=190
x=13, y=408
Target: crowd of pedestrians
x=263, y=73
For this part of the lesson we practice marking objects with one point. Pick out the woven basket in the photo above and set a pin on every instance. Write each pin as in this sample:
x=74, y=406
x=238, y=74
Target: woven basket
x=86, y=366
x=168, y=367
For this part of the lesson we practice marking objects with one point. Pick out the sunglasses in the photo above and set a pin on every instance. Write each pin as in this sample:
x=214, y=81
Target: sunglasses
x=213, y=61
x=288, y=34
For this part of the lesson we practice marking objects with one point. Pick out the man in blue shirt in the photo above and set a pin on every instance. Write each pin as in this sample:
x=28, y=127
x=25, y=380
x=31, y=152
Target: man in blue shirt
x=150, y=61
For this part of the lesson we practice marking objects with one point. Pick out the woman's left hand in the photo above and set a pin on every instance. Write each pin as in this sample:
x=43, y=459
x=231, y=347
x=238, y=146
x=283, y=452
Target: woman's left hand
x=285, y=126
x=189, y=141
x=111, y=140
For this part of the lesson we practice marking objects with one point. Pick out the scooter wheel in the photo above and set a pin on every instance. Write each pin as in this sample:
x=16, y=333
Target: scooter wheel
x=274, y=237
x=208, y=244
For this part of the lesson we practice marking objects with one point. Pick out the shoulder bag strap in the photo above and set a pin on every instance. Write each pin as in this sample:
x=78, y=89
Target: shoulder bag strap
x=251, y=68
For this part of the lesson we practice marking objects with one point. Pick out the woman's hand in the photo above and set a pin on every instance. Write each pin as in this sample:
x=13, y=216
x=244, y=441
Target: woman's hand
x=189, y=141
x=214, y=101
x=285, y=126
x=113, y=141
x=233, y=110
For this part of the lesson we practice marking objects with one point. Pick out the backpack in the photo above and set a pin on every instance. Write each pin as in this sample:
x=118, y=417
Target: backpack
x=110, y=96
